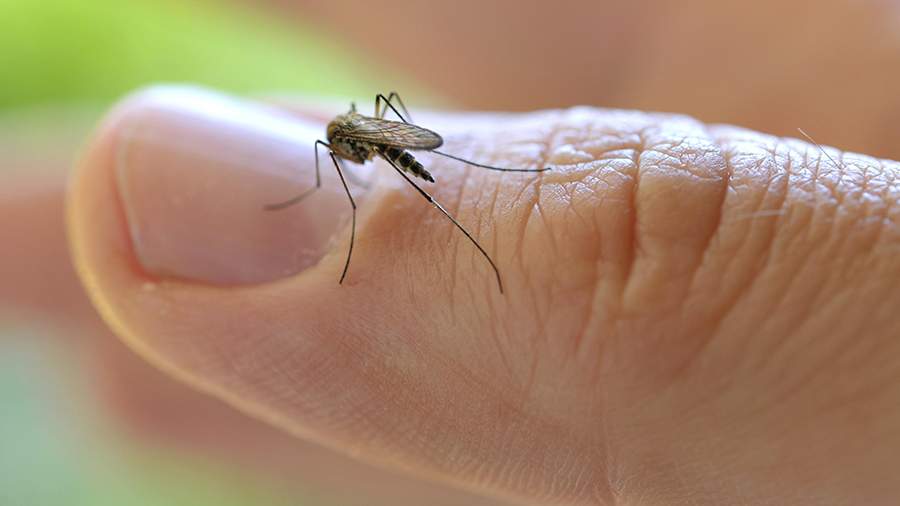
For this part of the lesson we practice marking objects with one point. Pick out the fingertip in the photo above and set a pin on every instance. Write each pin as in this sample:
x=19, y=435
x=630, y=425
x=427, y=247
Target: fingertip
x=186, y=172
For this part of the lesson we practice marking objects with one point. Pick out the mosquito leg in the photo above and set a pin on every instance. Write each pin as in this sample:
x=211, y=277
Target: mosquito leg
x=337, y=167
x=288, y=203
x=396, y=95
x=483, y=166
x=381, y=110
x=451, y=218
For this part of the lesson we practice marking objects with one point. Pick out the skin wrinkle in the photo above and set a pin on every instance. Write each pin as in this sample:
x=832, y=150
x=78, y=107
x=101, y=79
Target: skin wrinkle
x=706, y=340
x=592, y=314
x=680, y=157
x=592, y=317
x=839, y=203
x=541, y=322
x=502, y=349
x=808, y=230
x=589, y=188
x=739, y=292
x=466, y=175
x=866, y=195
x=783, y=290
x=540, y=210
x=844, y=201
x=583, y=180
x=494, y=332
x=840, y=168
x=476, y=232
x=757, y=203
x=885, y=219
x=785, y=194
x=541, y=318
x=473, y=291
x=608, y=495
x=811, y=192
x=533, y=184
x=403, y=248
x=726, y=188
x=632, y=205
x=884, y=198
x=861, y=203
x=855, y=202
x=773, y=224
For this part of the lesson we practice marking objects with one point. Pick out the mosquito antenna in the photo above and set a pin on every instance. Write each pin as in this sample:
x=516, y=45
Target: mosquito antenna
x=440, y=208
x=810, y=139
x=483, y=166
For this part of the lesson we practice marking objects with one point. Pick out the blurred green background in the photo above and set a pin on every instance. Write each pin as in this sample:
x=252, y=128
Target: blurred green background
x=63, y=62
x=59, y=51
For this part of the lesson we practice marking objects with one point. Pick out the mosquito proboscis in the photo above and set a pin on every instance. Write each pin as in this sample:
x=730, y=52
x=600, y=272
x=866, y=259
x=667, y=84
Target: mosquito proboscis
x=359, y=138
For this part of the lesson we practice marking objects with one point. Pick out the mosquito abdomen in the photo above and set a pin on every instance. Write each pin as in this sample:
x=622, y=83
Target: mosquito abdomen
x=406, y=161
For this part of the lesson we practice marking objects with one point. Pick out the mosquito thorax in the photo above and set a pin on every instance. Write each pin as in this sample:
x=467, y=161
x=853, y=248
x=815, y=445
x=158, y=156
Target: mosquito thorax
x=342, y=145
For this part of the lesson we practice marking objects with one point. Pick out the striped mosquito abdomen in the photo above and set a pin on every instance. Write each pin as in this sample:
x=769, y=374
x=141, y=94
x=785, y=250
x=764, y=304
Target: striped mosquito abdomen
x=406, y=161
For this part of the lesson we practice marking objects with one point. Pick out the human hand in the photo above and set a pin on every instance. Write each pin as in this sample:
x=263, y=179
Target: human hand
x=692, y=311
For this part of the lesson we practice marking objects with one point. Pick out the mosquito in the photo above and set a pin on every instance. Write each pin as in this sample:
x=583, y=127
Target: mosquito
x=359, y=138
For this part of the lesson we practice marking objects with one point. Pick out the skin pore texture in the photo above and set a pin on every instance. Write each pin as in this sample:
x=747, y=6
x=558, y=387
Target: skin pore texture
x=694, y=314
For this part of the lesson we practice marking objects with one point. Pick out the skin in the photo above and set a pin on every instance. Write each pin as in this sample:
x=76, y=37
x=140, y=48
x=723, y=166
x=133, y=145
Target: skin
x=788, y=399
x=694, y=313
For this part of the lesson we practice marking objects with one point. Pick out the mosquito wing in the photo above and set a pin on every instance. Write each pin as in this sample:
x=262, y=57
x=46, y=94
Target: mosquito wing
x=384, y=132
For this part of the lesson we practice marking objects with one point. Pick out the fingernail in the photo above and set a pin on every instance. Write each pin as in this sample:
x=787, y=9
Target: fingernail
x=195, y=169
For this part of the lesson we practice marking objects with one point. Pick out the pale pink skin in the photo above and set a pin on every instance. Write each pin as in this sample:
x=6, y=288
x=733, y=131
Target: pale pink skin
x=752, y=358
x=691, y=310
